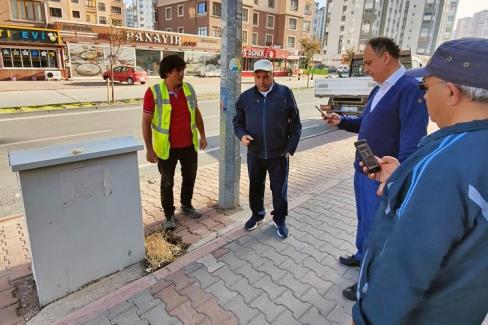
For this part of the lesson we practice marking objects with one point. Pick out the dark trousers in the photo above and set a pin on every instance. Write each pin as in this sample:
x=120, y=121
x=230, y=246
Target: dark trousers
x=277, y=168
x=367, y=202
x=188, y=159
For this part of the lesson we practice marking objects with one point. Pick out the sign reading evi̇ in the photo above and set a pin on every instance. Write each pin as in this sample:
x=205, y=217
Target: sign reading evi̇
x=33, y=35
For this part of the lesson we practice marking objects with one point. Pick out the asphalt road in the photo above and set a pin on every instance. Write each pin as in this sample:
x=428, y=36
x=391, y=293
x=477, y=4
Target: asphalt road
x=47, y=129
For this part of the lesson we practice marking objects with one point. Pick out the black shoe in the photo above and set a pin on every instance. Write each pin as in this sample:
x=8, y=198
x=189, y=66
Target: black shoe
x=169, y=224
x=350, y=293
x=253, y=222
x=350, y=261
x=192, y=212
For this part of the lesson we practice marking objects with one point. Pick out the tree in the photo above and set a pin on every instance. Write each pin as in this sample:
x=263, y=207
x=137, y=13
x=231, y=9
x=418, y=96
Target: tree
x=350, y=55
x=117, y=38
x=309, y=47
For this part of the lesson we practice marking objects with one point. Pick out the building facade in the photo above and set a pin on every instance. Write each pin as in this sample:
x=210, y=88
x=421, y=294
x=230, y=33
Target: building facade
x=142, y=14
x=268, y=26
x=418, y=25
x=476, y=26
x=318, y=25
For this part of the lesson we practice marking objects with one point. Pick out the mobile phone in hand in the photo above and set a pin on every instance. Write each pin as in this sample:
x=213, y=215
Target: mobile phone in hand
x=321, y=112
x=367, y=156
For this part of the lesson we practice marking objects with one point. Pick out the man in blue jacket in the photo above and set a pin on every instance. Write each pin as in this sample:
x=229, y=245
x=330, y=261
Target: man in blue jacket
x=426, y=262
x=393, y=122
x=268, y=123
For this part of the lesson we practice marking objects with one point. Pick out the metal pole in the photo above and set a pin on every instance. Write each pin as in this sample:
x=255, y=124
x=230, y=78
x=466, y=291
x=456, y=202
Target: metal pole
x=230, y=89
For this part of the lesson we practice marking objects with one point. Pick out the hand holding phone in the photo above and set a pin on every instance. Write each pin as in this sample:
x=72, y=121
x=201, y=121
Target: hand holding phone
x=321, y=112
x=367, y=156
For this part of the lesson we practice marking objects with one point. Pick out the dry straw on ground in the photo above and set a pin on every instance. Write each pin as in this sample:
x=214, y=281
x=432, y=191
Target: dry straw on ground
x=161, y=250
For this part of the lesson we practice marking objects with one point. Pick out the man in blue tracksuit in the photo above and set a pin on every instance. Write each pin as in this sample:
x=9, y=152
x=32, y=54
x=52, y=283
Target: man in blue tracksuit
x=393, y=122
x=427, y=258
x=268, y=123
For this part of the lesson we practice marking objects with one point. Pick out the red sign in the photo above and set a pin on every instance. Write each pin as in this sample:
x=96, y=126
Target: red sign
x=260, y=52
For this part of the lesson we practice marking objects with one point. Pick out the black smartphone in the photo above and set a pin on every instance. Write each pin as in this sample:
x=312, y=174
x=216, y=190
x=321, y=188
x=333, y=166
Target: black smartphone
x=321, y=112
x=367, y=156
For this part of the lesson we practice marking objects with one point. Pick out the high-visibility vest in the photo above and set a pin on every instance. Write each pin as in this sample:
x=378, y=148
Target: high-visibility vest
x=162, y=118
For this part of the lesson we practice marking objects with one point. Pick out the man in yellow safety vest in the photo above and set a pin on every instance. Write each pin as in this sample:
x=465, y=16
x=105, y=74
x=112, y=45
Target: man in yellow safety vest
x=170, y=121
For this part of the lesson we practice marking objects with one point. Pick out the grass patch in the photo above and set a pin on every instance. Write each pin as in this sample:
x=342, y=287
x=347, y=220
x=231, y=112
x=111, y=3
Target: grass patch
x=57, y=107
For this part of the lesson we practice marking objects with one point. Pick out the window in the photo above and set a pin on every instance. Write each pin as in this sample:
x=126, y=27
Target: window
x=180, y=10
x=245, y=15
x=308, y=8
x=217, y=9
x=117, y=22
x=255, y=19
x=75, y=1
x=294, y=5
x=29, y=58
x=181, y=29
x=169, y=29
x=167, y=12
x=76, y=14
x=268, y=39
x=256, y=2
x=116, y=10
x=202, y=31
x=291, y=42
x=244, y=36
x=101, y=6
x=292, y=23
x=90, y=3
x=102, y=20
x=271, y=4
x=270, y=21
x=306, y=26
x=254, y=38
x=88, y=18
x=27, y=10
x=202, y=7
x=55, y=12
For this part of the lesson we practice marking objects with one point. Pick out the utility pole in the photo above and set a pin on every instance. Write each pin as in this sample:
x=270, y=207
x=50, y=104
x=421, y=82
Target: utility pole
x=230, y=89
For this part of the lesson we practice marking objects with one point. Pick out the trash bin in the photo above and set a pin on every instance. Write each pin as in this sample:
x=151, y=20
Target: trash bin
x=83, y=211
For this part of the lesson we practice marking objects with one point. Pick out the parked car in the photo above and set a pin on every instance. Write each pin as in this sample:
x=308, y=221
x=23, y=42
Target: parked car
x=127, y=73
x=331, y=68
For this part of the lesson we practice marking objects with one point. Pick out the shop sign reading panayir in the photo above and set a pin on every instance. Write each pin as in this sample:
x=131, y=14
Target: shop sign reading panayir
x=149, y=37
x=32, y=35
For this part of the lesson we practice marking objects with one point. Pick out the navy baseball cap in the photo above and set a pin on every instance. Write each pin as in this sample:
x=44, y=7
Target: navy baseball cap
x=461, y=61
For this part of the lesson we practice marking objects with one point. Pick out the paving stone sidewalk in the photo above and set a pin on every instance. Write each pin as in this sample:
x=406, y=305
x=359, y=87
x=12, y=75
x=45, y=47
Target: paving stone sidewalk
x=256, y=277
x=310, y=169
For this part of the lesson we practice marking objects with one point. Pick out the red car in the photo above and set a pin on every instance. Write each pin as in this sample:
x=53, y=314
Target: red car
x=127, y=73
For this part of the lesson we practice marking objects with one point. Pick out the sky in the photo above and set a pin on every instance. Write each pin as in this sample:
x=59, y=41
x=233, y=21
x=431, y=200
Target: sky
x=466, y=8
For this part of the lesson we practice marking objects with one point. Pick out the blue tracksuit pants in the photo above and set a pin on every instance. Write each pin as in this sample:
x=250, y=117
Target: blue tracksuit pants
x=277, y=168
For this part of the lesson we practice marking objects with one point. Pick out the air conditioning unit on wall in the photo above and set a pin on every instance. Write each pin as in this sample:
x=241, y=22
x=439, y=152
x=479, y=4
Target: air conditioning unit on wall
x=53, y=75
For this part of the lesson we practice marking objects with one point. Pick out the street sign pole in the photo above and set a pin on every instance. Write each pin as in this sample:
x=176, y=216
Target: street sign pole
x=230, y=89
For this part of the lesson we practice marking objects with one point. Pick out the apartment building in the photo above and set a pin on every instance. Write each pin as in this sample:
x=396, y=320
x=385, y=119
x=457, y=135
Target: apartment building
x=418, y=25
x=42, y=12
x=318, y=25
x=476, y=26
x=142, y=14
x=271, y=24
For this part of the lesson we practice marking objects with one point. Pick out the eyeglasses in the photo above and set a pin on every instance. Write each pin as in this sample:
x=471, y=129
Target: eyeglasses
x=423, y=86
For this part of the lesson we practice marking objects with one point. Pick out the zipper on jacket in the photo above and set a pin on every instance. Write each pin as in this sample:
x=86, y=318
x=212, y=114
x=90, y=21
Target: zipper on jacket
x=264, y=129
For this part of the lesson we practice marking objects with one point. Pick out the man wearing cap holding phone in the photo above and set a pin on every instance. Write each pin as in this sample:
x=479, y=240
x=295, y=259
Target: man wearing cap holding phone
x=427, y=258
x=268, y=123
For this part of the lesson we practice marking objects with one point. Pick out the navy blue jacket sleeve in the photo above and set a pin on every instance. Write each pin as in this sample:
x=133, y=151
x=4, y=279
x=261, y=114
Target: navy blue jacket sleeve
x=413, y=122
x=427, y=228
x=350, y=123
x=240, y=119
x=295, y=127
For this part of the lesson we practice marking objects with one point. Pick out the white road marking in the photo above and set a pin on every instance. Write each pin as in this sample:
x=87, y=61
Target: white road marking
x=54, y=138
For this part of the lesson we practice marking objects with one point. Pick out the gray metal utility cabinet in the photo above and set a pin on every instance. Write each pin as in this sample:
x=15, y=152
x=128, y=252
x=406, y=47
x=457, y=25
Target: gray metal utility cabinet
x=83, y=210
